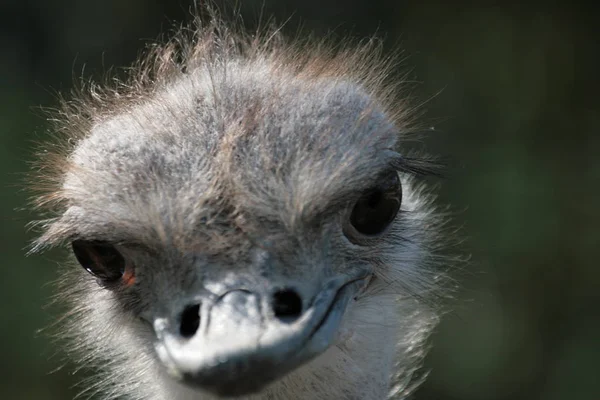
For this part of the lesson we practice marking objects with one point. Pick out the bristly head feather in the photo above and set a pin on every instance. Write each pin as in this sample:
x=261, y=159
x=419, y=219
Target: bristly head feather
x=210, y=45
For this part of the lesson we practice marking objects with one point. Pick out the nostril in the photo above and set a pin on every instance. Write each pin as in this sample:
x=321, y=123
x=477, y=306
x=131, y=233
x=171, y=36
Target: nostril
x=190, y=321
x=287, y=304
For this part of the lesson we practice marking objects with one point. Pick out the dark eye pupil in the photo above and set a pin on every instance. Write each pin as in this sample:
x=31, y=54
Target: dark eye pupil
x=374, y=199
x=376, y=209
x=100, y=259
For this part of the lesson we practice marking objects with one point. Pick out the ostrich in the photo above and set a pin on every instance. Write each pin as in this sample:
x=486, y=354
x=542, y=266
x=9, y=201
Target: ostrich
x=248, y=224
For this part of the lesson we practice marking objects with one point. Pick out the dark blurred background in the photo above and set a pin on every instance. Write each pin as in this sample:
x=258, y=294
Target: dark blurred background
x=513, y=92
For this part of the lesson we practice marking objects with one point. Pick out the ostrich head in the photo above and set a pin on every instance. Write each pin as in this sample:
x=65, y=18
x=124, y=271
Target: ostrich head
x=247, y=222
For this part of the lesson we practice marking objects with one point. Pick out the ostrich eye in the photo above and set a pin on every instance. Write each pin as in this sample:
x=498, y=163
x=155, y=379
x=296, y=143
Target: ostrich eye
x=377, y=208
x=100, y=259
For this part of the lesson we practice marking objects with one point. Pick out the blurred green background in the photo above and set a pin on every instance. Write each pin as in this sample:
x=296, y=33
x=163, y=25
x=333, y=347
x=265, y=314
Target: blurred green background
x=513, y=91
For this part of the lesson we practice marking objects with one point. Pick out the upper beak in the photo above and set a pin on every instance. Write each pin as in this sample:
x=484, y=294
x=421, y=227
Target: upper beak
x=245, y=339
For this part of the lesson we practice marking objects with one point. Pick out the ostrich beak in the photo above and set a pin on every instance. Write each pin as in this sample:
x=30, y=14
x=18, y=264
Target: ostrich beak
x=240, y=345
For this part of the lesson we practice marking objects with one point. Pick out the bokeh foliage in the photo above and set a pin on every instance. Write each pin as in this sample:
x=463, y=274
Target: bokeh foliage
x=512, y=91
